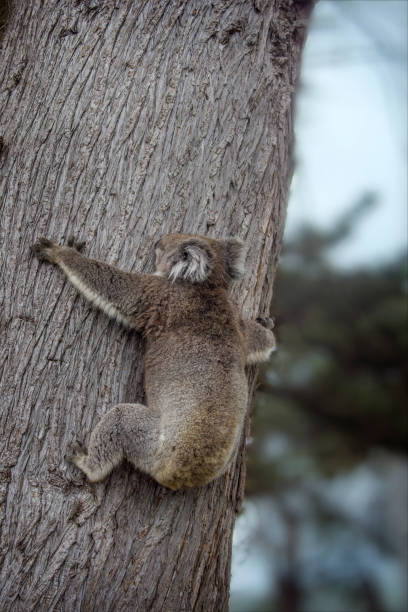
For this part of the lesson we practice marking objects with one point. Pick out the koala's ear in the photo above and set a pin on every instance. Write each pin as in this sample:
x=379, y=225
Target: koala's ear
x=235, y=257
x=193, y=263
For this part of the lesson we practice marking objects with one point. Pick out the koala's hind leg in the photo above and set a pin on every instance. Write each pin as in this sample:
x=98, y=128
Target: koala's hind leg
x=127, y=431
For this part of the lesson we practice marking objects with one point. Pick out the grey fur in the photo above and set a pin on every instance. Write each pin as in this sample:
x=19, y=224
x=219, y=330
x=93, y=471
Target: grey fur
x=196, y=351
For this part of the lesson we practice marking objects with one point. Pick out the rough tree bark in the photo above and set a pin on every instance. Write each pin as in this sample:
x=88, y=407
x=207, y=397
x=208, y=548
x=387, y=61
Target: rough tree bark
x=121, y=121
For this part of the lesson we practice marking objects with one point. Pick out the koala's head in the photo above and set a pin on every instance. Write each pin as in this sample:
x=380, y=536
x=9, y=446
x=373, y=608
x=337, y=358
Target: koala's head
x=197, y=259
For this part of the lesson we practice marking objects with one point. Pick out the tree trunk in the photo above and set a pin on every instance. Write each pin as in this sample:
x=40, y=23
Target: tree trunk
x=119, y=122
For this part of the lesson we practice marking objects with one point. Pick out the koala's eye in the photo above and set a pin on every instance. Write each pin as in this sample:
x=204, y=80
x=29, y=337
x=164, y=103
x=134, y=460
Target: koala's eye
x=184, y=255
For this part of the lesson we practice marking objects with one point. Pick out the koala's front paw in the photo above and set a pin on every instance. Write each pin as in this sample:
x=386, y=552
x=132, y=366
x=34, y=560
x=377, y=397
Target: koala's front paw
x=45, y=250
x=268, y=322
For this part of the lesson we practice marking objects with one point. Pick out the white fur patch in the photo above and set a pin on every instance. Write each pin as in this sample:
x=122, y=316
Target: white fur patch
x=93, y=297
x=259, y=356
x=178, y=271
x=194, y=269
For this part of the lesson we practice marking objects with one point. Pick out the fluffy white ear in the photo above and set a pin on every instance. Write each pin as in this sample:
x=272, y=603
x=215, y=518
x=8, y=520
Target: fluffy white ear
x=235, y=257
x=194, y=263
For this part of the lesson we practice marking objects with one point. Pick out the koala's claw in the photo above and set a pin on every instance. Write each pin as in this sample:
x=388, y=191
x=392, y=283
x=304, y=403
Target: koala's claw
x=268, y=322
x=43, y=249
x=78, y=245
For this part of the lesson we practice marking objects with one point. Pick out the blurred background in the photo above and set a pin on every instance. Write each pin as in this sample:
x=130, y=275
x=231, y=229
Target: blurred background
x=324, y=524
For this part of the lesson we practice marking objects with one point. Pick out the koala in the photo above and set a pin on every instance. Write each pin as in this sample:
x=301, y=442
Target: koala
x=197, y=347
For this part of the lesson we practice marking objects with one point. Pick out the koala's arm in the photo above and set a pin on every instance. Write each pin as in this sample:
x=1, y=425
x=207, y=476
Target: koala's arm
x=123, y=296
x=260, y=339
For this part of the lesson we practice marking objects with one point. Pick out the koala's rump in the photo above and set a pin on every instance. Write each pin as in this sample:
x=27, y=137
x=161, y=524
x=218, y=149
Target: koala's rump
x=201, y=394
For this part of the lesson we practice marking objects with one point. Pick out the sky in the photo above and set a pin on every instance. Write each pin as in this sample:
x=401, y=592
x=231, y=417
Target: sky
x=351, y=125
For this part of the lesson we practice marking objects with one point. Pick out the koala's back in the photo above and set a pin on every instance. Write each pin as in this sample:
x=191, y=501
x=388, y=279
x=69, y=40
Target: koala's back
x=194, y=375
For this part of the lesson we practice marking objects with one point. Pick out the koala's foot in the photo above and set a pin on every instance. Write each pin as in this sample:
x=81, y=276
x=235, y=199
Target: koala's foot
x=45, y=250
x=268, y=322
x=95, y=471
x=76, y=453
